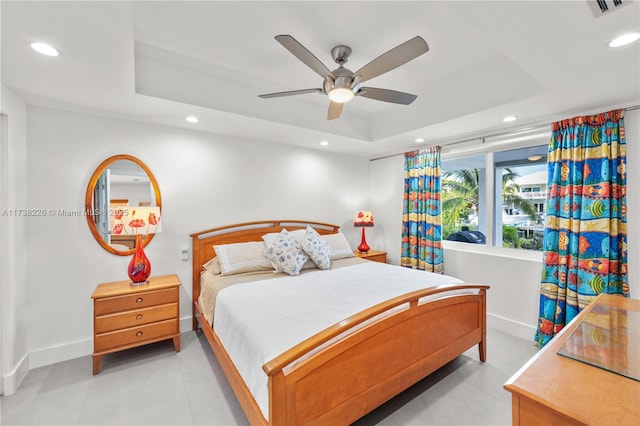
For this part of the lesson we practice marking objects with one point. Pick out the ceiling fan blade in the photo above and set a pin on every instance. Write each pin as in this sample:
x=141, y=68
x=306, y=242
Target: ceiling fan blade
x=301, y=52
x=392, y=59
x=335, y=109
x=290, y=93
x=387, y=95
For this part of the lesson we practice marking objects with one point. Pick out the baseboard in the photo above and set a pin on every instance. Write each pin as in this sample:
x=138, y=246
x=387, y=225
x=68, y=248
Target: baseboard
x=53, y=355
x=514, y=328
x=11, y=382
x=60, y=353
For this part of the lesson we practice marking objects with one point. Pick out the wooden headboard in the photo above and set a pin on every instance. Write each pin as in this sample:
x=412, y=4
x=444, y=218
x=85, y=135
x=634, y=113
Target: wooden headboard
x=202, y=242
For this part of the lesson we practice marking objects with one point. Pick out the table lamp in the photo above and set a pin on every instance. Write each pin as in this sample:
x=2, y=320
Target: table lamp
x=363, y=218
x=137, y=221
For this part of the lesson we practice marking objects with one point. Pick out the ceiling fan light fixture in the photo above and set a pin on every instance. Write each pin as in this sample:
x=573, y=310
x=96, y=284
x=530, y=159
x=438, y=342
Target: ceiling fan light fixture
x=340, y=95
x=341, y=84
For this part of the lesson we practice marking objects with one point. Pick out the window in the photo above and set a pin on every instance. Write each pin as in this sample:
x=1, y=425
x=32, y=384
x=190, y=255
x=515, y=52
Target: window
x=520, y=224
x=517, y=198
x=464, y=199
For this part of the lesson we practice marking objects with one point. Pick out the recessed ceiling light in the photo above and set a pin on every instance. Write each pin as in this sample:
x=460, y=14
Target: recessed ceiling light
x=510, y=118
x=419, y=140
x=192, y=119
x=44, y=48
x=624, y=39
x=324, y=143
x=534, y=157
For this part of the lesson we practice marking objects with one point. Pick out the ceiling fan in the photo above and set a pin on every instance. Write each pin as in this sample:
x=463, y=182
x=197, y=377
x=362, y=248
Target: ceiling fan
x=342, y=84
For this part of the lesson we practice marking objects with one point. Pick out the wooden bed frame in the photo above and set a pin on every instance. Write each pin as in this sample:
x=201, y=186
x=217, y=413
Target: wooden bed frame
x=370, y=357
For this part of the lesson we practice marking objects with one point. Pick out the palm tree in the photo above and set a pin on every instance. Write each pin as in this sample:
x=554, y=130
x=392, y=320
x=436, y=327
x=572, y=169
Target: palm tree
x=510, y=197
x=460, y=189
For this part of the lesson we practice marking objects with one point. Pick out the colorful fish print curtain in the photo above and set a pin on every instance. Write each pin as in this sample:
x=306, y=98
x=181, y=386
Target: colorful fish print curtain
x=585, y=239
x=422, y=212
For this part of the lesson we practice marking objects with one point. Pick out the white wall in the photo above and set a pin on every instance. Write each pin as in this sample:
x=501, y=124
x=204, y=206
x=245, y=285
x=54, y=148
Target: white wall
x=134, y=193
x=13, y=288
x=205, y=181
x=515, y=281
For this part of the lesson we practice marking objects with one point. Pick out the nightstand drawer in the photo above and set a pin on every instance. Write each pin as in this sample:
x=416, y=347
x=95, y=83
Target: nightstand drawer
x=135, y=301
x=135, y=335
x=135, y=317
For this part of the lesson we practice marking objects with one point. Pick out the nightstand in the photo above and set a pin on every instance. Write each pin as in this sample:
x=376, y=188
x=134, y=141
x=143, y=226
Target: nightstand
x=376, y=256
x=125, y=317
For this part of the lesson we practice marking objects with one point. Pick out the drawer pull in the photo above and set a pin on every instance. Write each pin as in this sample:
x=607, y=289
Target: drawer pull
x=139, y=316
x=139, y=300
x=139, y=333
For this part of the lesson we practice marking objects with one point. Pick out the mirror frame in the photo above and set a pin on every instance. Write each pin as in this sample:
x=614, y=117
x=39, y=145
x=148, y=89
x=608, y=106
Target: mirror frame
x=88, y=200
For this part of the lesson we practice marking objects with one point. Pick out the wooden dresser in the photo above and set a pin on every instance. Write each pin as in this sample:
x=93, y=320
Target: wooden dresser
x=376, y=256
x=552, y=389
x=126, y=317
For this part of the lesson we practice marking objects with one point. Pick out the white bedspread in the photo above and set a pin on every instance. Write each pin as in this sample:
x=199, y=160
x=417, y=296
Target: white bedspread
x=258, y=321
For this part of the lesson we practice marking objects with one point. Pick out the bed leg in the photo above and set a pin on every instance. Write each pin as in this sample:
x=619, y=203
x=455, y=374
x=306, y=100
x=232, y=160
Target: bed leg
x=195, y=322
x=482, y=348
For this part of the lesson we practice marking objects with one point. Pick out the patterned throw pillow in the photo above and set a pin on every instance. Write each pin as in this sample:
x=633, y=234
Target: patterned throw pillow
x=298, y=234
x=286, y=254
x=319, y=250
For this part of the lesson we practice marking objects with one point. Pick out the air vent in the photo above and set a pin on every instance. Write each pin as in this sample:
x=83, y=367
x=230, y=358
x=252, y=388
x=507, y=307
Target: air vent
x=603, y=7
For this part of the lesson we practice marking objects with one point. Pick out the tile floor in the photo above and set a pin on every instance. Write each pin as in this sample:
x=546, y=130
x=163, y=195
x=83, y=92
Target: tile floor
x=153, y=385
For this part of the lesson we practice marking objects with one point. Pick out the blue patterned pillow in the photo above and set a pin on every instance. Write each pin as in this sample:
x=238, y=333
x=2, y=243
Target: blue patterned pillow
x=318, y=249
x=286, y=254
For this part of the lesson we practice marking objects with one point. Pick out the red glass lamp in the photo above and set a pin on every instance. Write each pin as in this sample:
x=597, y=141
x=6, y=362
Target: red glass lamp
x=138, y=221
x=363, y=219
x=139, y=268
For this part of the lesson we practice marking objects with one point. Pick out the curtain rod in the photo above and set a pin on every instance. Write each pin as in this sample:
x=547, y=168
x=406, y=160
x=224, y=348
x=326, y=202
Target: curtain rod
x=493, y=135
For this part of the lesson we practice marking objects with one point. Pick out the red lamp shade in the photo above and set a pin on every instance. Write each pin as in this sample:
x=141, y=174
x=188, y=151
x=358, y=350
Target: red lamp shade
x=363, y=218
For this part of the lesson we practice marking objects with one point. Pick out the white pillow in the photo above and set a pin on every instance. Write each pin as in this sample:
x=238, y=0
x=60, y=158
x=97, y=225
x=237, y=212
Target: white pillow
x=286, y=254
x=298, y=234
x=242, y=257
x=340, y=248
x=318, y=249
x=213, y=265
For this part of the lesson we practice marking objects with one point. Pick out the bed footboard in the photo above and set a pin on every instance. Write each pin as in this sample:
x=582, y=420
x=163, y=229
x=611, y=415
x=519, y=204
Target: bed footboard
x=385, y=355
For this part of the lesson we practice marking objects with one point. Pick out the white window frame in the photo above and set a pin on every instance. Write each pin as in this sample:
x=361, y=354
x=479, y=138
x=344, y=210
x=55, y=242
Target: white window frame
x=518, y=139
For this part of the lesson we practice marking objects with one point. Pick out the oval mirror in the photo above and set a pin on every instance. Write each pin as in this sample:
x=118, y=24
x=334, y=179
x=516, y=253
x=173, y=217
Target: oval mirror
x=119, y=181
